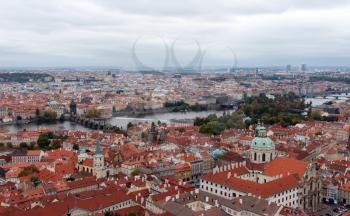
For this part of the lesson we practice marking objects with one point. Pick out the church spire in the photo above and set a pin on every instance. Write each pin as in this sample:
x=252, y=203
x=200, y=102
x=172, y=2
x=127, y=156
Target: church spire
x=98, y=147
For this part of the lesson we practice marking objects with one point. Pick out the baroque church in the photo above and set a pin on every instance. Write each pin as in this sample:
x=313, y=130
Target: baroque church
x=262, y=148
x=94, y=165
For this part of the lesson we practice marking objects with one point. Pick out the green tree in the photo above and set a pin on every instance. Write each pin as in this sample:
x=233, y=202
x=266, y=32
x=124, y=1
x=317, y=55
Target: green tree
x=31, y=145
x=144, y=136
x=37, y=112
x=26, y=171
x=93, y=113
x=48, y=116
x=108, y=213
x=213, y=127
x=129, y=125
x=43, y=141
x=55, y=144
x=35, y=181
x=2, y=172
x=316, y=116
x=286, y=109
x=23, y=145
x=50, y=135
x=76, y=147
x=135, y=172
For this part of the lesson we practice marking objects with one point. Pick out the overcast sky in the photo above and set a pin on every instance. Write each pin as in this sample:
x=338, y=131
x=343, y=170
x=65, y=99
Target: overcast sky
x=103, y=32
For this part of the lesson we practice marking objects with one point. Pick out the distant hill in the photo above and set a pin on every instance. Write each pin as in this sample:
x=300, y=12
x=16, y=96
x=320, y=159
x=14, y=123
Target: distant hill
x=25, y=77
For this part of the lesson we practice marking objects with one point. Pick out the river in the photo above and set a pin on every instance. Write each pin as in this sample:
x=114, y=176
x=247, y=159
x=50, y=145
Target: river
x=121, y=121
x=317, y=101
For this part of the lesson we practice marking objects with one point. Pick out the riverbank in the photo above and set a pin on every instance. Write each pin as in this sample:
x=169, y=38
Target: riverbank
x=6, y=123
x=119, y=121
x=143, y=113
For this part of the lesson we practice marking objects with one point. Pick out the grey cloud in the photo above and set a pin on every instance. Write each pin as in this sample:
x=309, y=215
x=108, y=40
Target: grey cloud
x=101, y=32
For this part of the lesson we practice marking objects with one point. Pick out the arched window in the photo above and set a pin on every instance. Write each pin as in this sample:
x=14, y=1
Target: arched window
x=263, y=157
x=271, y=156
x=255, y=156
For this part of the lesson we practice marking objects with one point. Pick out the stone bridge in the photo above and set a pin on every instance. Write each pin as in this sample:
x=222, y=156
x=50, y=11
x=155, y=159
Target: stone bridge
x=94, y=123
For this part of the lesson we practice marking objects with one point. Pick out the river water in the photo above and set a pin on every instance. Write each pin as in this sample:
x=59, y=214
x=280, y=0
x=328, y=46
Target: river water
x=317, y=101
x=117, y=121
x=163, y=117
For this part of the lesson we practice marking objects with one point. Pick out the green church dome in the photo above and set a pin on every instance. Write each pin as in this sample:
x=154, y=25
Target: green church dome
x=261, y=140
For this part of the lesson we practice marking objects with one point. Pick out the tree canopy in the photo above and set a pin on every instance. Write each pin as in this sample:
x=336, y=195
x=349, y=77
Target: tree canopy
x=47, y=117
x=216, y=125
x=286, y=109
x=28, y=171
x=93, y=113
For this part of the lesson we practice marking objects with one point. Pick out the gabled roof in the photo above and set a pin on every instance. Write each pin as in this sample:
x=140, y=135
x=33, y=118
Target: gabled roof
x=264, y=190
x=285, y=166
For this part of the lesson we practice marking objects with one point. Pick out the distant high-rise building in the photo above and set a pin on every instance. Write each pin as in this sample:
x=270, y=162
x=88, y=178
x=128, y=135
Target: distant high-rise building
x=256, y=72
x=288, y=68
x=303, y=68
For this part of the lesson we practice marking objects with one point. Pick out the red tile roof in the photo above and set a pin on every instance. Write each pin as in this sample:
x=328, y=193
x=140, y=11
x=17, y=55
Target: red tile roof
x=264, y=190
x=282, y=165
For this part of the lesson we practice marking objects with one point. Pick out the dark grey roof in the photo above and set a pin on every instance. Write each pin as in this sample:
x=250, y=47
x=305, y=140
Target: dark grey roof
x=255, y=205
